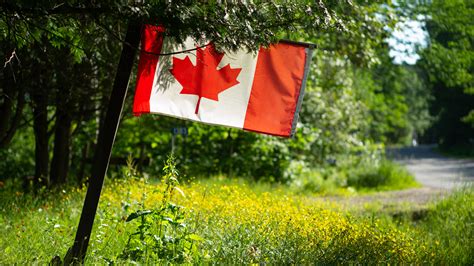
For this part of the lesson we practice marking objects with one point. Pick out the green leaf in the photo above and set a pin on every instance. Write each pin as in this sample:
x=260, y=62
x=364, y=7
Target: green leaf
x=137, y=214
x=194, y=237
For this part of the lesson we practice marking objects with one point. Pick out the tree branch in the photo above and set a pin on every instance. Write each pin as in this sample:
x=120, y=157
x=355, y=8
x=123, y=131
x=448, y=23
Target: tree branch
x=9, y=60
x=59, y=9
x=113, y=34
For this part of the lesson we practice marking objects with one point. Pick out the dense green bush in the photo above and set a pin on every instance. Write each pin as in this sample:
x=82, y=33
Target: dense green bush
x=383, y=175
x=373, y=176
x=17, y=160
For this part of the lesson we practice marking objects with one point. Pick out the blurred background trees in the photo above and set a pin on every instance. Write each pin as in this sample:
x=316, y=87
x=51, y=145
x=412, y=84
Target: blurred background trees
x=448, y=63
x=60, y=61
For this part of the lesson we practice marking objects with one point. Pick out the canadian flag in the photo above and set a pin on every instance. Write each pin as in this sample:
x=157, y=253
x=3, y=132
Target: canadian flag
x=259, y=92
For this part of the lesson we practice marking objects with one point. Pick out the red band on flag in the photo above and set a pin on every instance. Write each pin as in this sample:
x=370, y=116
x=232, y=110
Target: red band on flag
x=275, y=90
x=152, y=40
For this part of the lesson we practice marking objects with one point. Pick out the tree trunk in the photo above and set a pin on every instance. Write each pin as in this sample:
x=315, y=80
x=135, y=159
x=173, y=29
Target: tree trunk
x=64, y=113
x=62, y=136
x=82, y=167
x=40, y=97
x=9, y=122
x=40, y=126
x=6, y=93
x=11, y=93
x=6, y=105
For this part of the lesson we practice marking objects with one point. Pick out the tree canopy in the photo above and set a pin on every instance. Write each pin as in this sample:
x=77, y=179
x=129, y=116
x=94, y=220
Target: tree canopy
x=448, y=63
x=60, y=59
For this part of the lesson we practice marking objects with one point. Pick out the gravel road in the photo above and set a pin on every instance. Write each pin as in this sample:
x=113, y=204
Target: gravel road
x=433, y=170
x=436, y=173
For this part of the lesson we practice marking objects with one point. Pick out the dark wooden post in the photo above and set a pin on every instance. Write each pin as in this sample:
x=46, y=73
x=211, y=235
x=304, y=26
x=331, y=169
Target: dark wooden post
x=77, y=253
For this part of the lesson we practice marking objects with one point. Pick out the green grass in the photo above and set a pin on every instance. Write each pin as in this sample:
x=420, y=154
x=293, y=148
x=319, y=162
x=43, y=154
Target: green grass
x=450, y=226
x=387, y=175
x=240, y=223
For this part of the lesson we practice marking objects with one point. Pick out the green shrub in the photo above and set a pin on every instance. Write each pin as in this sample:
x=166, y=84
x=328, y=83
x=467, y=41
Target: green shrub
x=315, y=182
x=17, y=159
x=365, y=175
x=162, y=234
x=385, y=175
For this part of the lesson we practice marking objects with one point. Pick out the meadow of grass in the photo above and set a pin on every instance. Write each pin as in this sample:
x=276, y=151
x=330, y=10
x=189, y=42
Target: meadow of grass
x=228, y=222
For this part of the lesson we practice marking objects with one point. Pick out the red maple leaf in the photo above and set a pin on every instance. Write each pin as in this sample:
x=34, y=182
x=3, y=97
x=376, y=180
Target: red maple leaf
x=204, y=79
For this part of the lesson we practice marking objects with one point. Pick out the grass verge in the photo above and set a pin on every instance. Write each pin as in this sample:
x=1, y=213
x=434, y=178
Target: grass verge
x=235, y=223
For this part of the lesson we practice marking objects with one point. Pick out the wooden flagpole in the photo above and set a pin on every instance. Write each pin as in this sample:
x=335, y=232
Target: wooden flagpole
x=77, y=252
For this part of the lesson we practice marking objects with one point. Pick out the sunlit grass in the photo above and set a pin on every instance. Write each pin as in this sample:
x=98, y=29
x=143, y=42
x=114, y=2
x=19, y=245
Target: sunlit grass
x=240, y=222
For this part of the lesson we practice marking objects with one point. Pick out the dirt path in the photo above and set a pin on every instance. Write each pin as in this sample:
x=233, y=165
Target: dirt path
x=432, y=169
x=437, y=174
x=409, y=200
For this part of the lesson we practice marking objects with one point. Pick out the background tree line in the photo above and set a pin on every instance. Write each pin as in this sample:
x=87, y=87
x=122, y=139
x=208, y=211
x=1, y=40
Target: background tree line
x=60, y=60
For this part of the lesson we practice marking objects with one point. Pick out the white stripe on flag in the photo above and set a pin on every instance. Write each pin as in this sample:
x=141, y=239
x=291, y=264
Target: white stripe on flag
x=231, y=107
